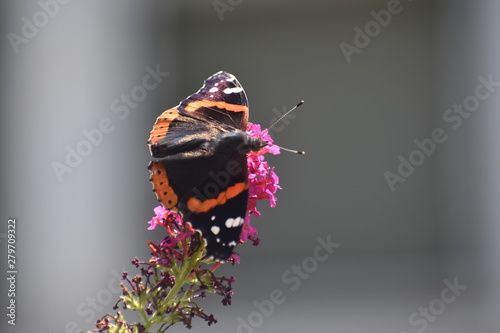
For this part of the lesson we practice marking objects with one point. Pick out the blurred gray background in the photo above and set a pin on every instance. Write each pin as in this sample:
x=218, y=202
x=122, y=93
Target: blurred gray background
x=68, y=68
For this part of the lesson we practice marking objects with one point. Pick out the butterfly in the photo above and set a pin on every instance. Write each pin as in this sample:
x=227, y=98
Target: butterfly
x=200, y=161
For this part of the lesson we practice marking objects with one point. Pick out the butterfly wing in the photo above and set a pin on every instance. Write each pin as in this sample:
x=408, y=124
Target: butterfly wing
x=220, y=100
x=196, y=171
x=173, y=133
x=211, y=192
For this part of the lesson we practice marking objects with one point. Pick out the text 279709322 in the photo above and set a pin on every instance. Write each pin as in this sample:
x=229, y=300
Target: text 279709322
x=11, y=270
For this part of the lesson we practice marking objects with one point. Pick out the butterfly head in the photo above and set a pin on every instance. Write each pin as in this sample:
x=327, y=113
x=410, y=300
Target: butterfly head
x=253, y=144
x=239, y=141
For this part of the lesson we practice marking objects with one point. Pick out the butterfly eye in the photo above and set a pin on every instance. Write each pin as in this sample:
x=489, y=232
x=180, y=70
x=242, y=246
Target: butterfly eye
x=256, y=144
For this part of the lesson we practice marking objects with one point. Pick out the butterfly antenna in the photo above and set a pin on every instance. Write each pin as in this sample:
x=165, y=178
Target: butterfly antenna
x=300, y=152
x=286, y=113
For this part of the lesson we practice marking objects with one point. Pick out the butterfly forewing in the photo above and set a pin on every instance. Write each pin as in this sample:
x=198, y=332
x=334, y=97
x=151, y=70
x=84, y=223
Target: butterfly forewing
x=221, y=99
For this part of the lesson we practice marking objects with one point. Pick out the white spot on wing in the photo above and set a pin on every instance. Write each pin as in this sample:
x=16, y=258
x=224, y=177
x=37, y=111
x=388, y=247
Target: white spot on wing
x=215, y=229
x=232, y=243
x=236, y=222
x=229, y=222
x=213, y=217
x=233, y=90
x=213, y=89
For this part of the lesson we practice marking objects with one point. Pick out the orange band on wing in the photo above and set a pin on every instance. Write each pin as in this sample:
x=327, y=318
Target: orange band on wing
x=162, y=124
x=165, y=194
x=199, y=206
x=193, y=106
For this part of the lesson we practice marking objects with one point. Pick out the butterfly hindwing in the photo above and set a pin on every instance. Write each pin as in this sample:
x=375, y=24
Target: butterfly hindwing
x=211, y=192
x=221, y=226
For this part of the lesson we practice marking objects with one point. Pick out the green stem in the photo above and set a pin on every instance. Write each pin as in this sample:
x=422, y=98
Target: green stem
x=187, y=266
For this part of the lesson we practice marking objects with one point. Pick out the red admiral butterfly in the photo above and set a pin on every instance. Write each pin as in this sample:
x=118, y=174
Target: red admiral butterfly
x=200, y=166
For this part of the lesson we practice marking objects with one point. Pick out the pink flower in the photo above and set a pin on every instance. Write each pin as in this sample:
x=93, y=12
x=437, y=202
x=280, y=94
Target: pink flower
x=263, y=181
x=248, y=231
x=166, y=218
x=234, y=259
